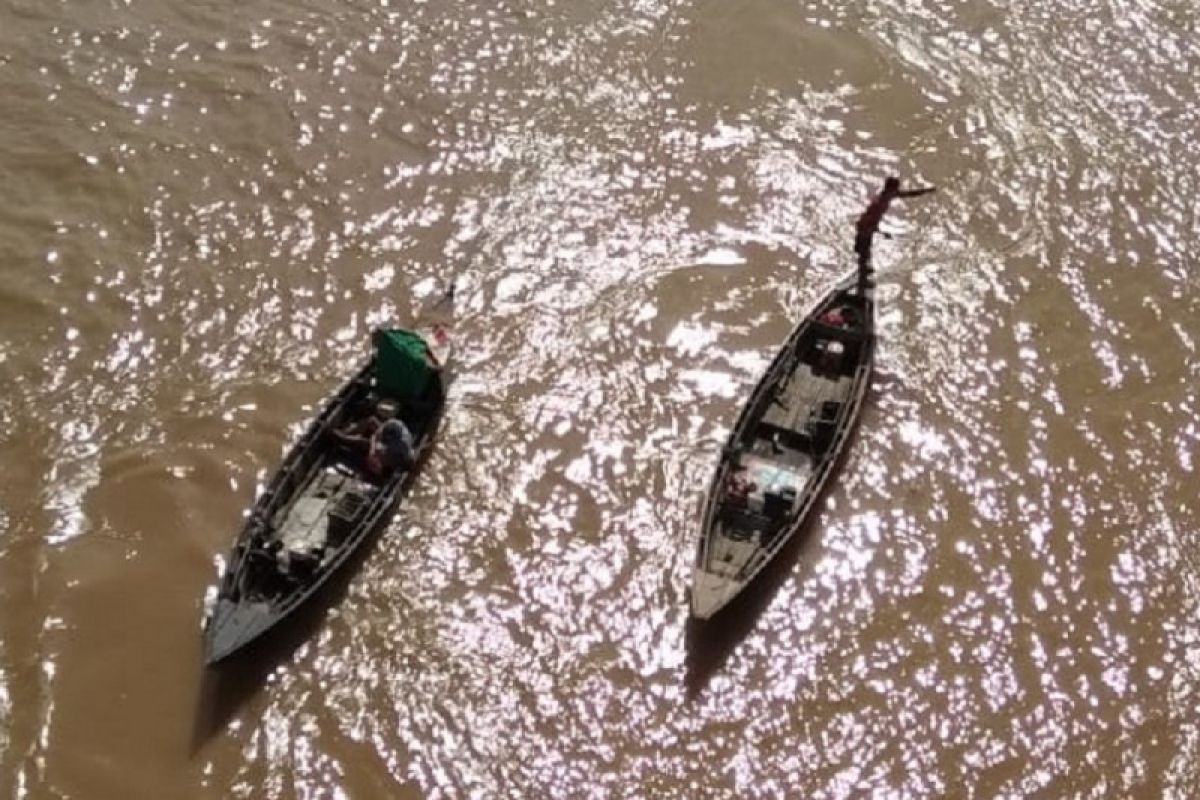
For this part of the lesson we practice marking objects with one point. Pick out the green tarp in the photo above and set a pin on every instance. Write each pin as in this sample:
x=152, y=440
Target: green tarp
x=401, y=367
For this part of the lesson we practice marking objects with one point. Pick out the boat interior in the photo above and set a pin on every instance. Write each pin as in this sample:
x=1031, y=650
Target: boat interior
x=322, y=495
x=786, y=434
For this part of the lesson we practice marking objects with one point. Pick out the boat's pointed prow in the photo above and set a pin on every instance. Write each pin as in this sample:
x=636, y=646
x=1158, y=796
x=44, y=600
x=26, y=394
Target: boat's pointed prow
x=232, y=627
x=436, y=322
x=443, y=306
x=711, y=593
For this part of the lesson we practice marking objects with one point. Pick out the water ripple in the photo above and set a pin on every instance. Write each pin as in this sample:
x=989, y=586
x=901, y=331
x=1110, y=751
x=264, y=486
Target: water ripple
x=209, y=208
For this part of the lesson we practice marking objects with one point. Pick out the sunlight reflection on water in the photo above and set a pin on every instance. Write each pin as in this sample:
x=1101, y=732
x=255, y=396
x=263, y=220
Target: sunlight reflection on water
x=211, y=210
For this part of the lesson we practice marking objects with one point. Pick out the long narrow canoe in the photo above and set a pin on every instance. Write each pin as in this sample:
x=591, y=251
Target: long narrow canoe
x=786, y=444
x=320, y=506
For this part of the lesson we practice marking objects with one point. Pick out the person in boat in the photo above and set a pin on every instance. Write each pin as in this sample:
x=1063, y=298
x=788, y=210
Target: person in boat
x=839, y=317
x=834, y=317
x=391, y=448
x=868, y=223
x=740, y=486
x=380, y=442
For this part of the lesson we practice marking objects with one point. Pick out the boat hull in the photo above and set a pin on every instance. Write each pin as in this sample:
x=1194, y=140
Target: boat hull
x=320, y=507
x=786, y=445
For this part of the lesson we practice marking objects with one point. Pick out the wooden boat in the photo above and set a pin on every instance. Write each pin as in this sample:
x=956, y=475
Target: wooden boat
x=323, y=502
x=785, y=445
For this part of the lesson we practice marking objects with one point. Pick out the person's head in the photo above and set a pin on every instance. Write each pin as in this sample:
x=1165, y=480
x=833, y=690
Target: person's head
x=891, y=185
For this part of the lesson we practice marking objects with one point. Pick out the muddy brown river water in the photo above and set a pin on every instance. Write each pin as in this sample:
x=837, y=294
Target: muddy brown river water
x=205, y=207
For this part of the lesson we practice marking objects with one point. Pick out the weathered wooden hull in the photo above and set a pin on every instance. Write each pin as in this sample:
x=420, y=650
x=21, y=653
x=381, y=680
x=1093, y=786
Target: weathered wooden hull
x=786, y=444
x=253, y=595
x=237, y=620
